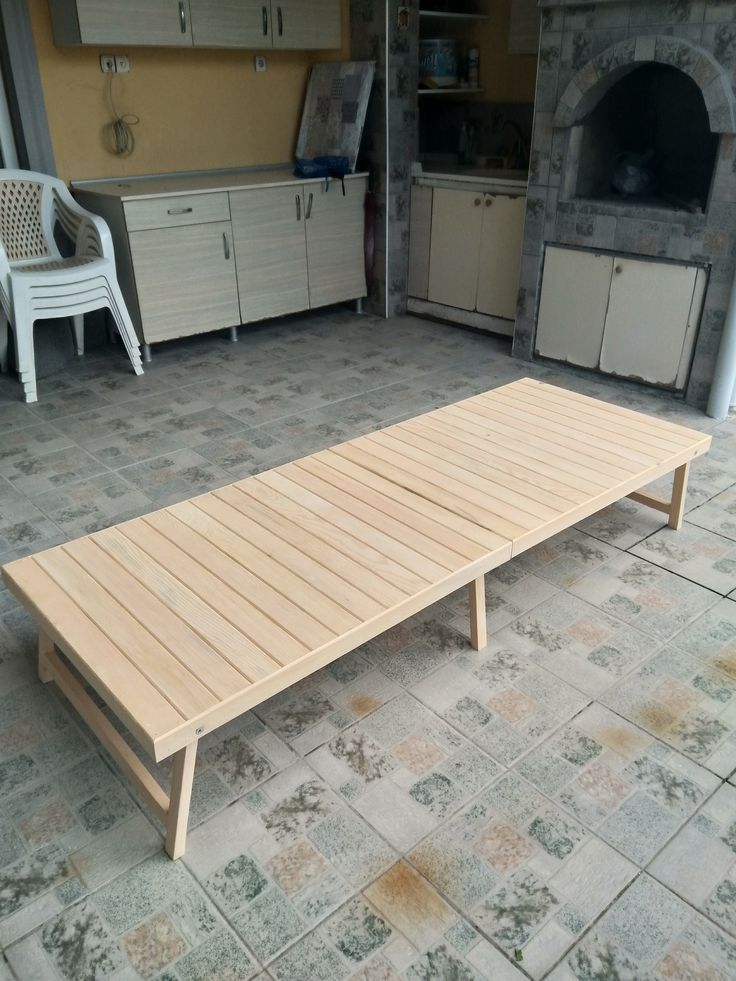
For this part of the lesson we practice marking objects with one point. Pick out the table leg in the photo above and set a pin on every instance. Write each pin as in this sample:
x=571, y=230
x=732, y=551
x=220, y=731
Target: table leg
x=180, y=799
x=477, y=590
x=679, y=493
x=45, y=647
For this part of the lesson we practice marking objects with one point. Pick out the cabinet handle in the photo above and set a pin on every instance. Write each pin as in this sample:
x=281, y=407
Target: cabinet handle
x=281, y=21
x=179, y=211
x=226, y=245
x=619, y=270
x=309, y=205
x=182, y=17
x=477, y=202
x=264, y=10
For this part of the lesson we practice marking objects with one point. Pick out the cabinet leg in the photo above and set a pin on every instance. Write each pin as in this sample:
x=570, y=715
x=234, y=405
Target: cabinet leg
x=180, y=799
x=146, y=351
x=478, y=634
x=359, y=305
x=234, y=335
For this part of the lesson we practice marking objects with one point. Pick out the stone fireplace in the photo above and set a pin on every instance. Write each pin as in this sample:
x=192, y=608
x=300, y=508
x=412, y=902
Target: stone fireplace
x=634, y=151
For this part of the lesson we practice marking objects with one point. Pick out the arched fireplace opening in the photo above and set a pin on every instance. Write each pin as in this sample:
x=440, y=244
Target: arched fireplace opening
x=649, y=140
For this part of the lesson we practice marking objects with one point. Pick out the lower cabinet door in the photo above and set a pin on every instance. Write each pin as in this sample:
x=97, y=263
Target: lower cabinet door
x=573, y=306
x=648, y=323
x=457, y=218
x=185, y=279
x=270, y=251
x=335, y=240
x=500, y=255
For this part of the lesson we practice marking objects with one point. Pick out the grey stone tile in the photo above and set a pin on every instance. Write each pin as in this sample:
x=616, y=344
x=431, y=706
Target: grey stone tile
x=91, y=505
x=694, y=553
x=649, y=933
x=38, y=474
x=175, y=476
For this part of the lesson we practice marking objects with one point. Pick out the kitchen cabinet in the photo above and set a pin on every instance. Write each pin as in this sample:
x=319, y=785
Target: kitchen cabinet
x=290, y=24
x=304, y=24
x=270, y=251
x=185, y=279
x=501, y=240
x=632, y=317
x=203, y=252
x=475, y=251
x=334, y=226
x=163, y=23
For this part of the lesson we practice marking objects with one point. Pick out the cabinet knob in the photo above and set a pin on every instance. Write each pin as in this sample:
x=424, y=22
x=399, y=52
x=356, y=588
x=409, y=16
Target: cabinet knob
x=489, y=201
x=477, y=202
x=619, y=270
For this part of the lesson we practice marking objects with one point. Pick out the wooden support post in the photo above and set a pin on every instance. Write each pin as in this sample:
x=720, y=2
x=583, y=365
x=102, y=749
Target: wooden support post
x=679, y=492
x=478, y=635
x=181, y=797
x=45, y=647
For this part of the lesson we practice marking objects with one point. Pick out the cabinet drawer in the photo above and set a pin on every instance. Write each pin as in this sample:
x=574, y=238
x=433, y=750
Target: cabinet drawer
x=184, y=209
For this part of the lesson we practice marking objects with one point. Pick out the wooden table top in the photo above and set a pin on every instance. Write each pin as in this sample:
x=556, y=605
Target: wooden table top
x=185, y=618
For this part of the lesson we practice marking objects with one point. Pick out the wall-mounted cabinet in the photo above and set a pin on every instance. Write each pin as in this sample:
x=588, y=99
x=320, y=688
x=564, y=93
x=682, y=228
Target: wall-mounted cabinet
x=288, y=24
x=636, y=318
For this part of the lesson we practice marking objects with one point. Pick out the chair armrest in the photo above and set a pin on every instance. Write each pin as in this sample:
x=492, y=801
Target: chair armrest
x=5, y=291
x=88, y=231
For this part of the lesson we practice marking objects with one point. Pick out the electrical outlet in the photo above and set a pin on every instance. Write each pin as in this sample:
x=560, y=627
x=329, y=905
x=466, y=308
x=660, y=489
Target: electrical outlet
x=107, y=64
x=259, y=63
x=122, y=64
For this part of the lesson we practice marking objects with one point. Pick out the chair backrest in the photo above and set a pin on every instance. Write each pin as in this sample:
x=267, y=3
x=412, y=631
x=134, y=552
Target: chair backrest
x=21, y=224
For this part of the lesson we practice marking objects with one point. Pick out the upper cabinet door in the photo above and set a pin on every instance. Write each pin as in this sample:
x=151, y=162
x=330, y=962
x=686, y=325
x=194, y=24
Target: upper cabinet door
x=306, y=23
x=231, y=23
x=149, y=22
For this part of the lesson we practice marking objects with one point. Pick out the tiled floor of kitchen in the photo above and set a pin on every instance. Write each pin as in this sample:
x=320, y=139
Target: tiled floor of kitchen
x=418, y=810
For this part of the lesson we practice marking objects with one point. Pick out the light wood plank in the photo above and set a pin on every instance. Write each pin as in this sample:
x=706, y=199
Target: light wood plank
x=182, y=780
x=679, y=492
x=108, y=735
x=262, y=534
x=179, y=686
x=200, y=517
x=478, y=629
x=651, y=501
x=272, y=602
x=193, y=610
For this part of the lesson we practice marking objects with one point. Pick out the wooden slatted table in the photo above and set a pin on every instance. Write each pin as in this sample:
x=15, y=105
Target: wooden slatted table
x=186, y=618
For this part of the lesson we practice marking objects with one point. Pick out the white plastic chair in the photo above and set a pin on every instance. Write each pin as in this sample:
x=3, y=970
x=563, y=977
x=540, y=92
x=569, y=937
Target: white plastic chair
x=38, y=282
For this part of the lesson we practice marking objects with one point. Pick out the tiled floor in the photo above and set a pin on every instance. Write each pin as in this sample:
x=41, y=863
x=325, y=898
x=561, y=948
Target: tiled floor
x=561, y=804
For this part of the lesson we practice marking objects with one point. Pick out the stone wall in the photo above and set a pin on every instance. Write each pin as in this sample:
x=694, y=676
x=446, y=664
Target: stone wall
x=580, y=43
x=390, y=135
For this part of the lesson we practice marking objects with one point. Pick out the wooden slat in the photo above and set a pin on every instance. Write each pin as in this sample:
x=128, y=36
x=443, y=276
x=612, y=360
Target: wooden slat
x=304, y=593
x=195, y=579
x=533, y=500
x=399, y=519
x=469, y=539
x=681, y=435
x=193, y=610
x=494, y=461
x=398, y=578
x=343, y=566
x=199, y=656
x=514, y=455
x=600, y=415
x=294, y=485
x=598, y=449
x=143, y=709
x=183, y=689
x=429, y=558
x=630, y=445
x=242, y=523
x=261, y=595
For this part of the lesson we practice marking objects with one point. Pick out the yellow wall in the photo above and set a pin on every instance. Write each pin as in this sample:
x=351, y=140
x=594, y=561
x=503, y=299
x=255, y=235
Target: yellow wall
x=505, y=77
x=197, y=108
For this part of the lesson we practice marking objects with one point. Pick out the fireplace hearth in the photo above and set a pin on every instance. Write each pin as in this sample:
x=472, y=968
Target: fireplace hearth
x=648, y=141
x=647, y=84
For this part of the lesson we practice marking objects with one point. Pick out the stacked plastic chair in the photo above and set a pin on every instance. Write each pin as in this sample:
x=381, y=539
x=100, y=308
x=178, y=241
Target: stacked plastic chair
x=37, y=282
